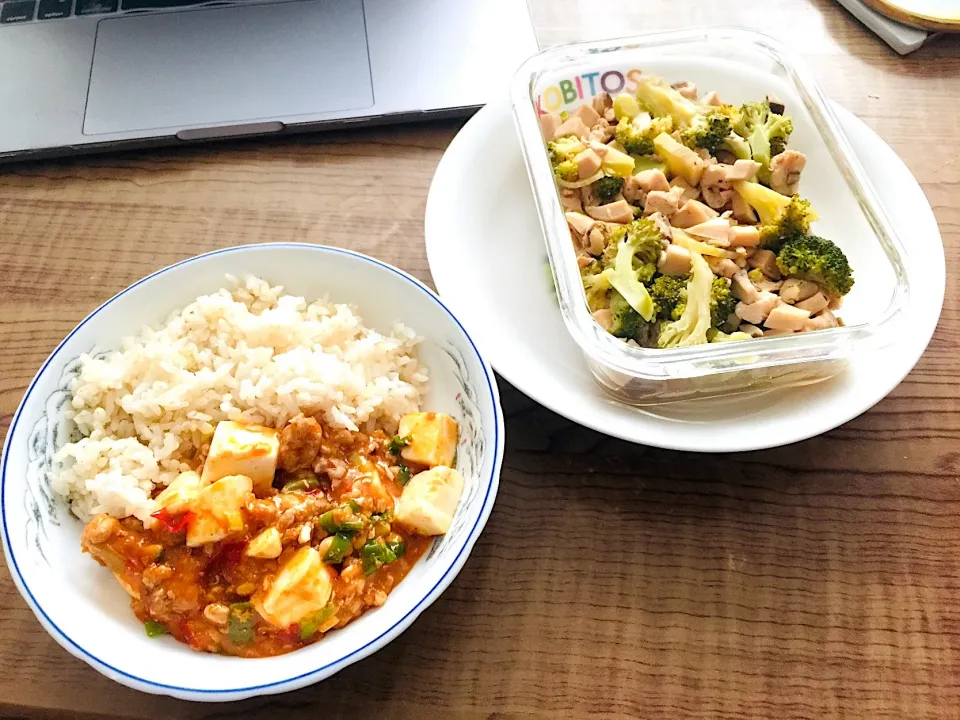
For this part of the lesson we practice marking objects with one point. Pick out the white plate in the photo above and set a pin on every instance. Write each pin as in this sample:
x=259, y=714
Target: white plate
x=493, y=274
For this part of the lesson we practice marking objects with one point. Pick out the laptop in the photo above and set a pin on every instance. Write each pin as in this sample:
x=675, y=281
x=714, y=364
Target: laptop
x=88, y=75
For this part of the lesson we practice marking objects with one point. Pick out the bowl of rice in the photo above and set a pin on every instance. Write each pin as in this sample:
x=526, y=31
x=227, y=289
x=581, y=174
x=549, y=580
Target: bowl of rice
x=253, y=334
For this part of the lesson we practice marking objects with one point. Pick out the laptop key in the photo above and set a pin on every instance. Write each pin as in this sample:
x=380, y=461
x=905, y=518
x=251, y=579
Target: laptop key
x=52, y=9
x=17, y=11
x=95, y=7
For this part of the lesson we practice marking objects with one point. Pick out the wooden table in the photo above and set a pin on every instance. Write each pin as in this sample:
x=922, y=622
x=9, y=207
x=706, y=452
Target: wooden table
x=817, y=580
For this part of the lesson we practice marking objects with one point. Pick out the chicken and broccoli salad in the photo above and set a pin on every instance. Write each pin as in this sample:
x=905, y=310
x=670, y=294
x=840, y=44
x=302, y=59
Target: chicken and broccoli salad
x=687, y=220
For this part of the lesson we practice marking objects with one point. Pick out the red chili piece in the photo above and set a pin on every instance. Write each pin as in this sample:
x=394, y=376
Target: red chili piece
x=173, y=523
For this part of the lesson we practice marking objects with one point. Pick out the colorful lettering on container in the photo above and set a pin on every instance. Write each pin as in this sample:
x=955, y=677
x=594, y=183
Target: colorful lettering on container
x=552, y=98
x=569, y=94
x=566, y=91
x=614, y=87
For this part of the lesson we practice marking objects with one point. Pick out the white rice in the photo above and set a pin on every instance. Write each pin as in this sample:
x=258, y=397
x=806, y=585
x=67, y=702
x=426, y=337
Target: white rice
x=249, y=354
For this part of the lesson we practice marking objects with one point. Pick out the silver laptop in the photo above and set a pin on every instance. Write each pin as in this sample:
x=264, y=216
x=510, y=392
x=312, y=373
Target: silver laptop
x=83, y=75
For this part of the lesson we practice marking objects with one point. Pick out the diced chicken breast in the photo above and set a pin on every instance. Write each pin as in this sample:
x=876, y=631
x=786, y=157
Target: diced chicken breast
x=588, y=114
x=652, y=179
x=785, y=171
x=686, y=88
x=549, y=123
x=742, y=170
x=722, y=267
x=238, y=449
x=604, y=318
x=795, y=290
x=742, y=212
x=432, y=438
x=765, y=284
x=619, y=211
x=602, y=131
x=743, y=289
x=693, y=213
x=178, y=495
x=675, y=260
x=631, y=191
x=602, y=102
x=689, y=192
x=583, y=259
x=766, y=261
x=715, y=187
x=573, y=125
x=588, y=162
x=751, y=330
x=822, y=321
x=218, y=510
x=786, y=317
x=711, y=98
x=744, y=236
x=665, y=203
x=716, y=230
x=430, y=500
x=756, y=312
x=663, y=225
x=774, y=332
x=301, y=588
x=570, y=200
x=267, y=544
x=836, y=301
x=597, y=241
x=814, y=304
x=580, y=223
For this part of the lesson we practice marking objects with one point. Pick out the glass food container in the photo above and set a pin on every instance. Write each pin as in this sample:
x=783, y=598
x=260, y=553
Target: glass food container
x=742, y=66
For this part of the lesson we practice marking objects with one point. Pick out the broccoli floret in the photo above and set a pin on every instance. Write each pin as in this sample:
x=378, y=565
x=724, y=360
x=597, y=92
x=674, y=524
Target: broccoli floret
x=637, y=136
x=646, y=245
x=691, y=328
x=567, y=170
x=818, y=260
x=738, y=146
x=630, y=259
x=562, y=152
x=781, y=217
x=625, y=321
x=607, y=188
x=722, y=303
x=648, y=162
x=596, y=284
x=709, y=131
x=649, y=333
x=716, y=336
x=765, y=131
x=669, y=295
x=661, y=100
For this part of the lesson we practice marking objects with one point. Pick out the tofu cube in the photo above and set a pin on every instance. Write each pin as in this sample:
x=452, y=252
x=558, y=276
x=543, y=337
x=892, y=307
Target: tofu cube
x=432, y=438
x=178, y=495
x=238, y=449
x=266, y=545
x=430, y=500
x=218, y=510
x=300, y=589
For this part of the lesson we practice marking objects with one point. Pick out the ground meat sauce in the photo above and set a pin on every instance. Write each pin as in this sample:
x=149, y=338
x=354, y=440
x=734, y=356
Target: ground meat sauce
x=202, y=595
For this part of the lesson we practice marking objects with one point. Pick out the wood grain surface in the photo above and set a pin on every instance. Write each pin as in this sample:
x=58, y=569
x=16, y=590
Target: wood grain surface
x=816, y=580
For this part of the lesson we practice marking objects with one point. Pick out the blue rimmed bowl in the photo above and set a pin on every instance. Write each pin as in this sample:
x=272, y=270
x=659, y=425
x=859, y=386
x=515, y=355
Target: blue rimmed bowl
x=86, y=611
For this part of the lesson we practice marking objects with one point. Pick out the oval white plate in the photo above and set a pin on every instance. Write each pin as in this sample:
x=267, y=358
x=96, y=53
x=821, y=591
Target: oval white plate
x=493, y=273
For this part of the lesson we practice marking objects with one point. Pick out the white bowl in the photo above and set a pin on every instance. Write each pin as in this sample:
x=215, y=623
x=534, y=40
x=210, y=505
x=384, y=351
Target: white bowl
x=83, y=607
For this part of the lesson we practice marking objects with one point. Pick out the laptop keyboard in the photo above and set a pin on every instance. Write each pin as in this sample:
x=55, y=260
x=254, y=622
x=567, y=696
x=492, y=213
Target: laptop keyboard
x=19, y=11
